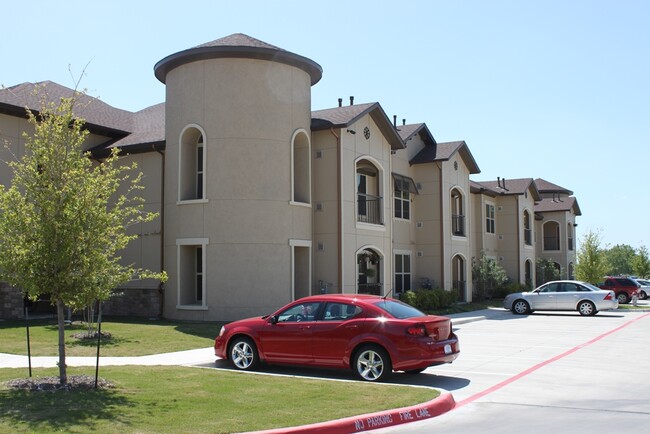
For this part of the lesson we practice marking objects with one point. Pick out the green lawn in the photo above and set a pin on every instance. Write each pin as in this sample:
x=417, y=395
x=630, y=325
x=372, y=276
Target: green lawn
x=130, y=337
x=176, y=399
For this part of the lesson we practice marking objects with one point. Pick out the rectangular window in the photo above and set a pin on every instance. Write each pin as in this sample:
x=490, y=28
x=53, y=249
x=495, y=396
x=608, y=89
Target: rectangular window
x=191, y=273
x=402, y=272
x=199, y=274
x=490, y=221
x=403, y=188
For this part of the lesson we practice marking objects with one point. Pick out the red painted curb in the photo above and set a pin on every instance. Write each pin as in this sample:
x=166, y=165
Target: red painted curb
x=382, y=419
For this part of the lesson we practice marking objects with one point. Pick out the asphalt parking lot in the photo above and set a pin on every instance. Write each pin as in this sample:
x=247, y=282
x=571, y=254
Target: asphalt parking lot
x=545, y=372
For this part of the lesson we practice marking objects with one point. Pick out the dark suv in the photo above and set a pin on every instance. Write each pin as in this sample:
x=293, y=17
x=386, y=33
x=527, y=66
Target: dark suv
x=623, y=287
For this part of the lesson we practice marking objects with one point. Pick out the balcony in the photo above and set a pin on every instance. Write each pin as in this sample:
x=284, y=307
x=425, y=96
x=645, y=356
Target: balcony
x=551, y=243
x=370, y=288
x=458, y=225
x=528, y=237
x=369, y=209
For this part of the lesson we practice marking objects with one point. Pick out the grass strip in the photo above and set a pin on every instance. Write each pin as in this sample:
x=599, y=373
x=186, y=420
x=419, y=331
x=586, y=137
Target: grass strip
x=129, y=337
x=177, y=399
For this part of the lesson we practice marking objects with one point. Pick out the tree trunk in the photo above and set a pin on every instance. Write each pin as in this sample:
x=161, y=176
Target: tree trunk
x=60, y=315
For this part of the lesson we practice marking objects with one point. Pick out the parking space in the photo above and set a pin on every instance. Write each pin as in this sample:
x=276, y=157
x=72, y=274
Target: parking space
x=545, y=372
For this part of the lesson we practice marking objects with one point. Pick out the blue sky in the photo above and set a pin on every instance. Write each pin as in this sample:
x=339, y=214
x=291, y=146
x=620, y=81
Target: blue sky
x=556, y=89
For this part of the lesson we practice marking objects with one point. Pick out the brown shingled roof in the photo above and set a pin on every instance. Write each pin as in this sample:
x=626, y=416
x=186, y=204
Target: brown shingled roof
x=407, y=132
x=547, y=187
x=94, y=111
x=509, y=187
x=444, y=152
x=562, y=204
x=342, y=117
x=237, y=45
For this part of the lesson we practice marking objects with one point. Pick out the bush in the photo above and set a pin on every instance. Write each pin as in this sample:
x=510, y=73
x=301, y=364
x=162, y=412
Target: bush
x=429, y=299
x=502, y=291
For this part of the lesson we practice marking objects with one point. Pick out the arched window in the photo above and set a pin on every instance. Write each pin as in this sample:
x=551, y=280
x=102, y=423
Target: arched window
x=551, y=236
x=457, y=213
x=528, y=232
x=459, y=282
x=569, y=234
x=191, y=163
x=301, y=170
x=528, y=273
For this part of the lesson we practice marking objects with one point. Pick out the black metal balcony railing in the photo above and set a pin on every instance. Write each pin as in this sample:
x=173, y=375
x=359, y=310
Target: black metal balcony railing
x=369, y=209
x=458, y=225
x=370, y=288
x=528, y=237
x=551, y=243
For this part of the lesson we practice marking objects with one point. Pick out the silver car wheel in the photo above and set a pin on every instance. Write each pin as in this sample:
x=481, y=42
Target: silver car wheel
x=243, y=354
x=372, y=364
x=586, y=308
x=520, y=307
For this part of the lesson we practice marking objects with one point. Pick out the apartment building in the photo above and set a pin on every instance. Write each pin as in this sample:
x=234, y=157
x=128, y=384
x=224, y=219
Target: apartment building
x=263, y=200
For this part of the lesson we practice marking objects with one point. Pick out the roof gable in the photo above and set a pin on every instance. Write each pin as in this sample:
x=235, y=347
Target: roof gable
x=343, y=117
x=505, y=187
x=444, y=152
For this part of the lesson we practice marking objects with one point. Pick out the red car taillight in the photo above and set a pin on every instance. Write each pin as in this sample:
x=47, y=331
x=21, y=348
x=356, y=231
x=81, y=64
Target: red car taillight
x=609, y=296
x=417, y=330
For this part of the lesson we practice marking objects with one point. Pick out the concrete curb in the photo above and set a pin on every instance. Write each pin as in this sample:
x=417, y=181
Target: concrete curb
x=442, y=404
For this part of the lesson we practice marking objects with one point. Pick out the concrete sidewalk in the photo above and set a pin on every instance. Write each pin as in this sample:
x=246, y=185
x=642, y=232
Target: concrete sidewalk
x=180, y=358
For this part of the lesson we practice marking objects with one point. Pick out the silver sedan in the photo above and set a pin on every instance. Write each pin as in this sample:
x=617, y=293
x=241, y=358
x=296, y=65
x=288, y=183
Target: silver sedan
x=562, y=295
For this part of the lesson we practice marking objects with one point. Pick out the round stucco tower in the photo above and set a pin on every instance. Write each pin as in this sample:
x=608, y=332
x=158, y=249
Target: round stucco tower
x=237, y=213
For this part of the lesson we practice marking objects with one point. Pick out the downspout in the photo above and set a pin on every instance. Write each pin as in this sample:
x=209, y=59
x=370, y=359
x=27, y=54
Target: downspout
x=161, y=285
x=520, y=248
x=339, y=220
x=442, y=227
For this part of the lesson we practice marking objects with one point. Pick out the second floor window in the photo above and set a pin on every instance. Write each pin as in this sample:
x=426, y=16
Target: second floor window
x=403, y=188
x=490, y=220
x=528, y=232
x=457, y=213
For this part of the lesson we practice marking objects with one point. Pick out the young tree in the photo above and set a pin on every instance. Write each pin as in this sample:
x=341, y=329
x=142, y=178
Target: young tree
x=63, y=221
x=487, y=275
x=641, y=262
x=546, y=271
x=591, y=262
x=619, y=259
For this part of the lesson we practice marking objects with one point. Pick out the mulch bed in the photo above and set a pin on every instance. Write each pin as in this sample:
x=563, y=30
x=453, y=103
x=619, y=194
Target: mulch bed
x=43, y=384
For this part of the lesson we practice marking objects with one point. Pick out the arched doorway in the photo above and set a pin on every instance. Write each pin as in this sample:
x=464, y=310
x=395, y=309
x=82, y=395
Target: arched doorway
x=369, y=272
x=459, y=283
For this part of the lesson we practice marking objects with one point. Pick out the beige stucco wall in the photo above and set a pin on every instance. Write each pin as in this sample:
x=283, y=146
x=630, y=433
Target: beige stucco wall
x=249, y=111
x=359, y=235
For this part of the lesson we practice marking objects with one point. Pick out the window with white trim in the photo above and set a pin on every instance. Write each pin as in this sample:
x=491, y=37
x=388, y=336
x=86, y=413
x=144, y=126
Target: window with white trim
x=191, y=165
x=191, y=273
x=402, y=272
x=490, y=219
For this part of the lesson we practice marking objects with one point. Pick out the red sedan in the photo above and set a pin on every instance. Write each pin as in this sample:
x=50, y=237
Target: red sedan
x=372, y=335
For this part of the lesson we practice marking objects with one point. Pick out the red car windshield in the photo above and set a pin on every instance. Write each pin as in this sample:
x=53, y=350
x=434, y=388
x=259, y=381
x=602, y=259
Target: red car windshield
x=398, y=309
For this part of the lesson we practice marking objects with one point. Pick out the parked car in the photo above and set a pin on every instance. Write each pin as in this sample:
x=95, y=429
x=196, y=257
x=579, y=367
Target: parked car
x=644, y=288
x=562, y=295
x=624, y=288
x=369, y=334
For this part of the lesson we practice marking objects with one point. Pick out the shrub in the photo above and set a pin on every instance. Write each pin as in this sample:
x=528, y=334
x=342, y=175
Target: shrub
x=429, y=299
